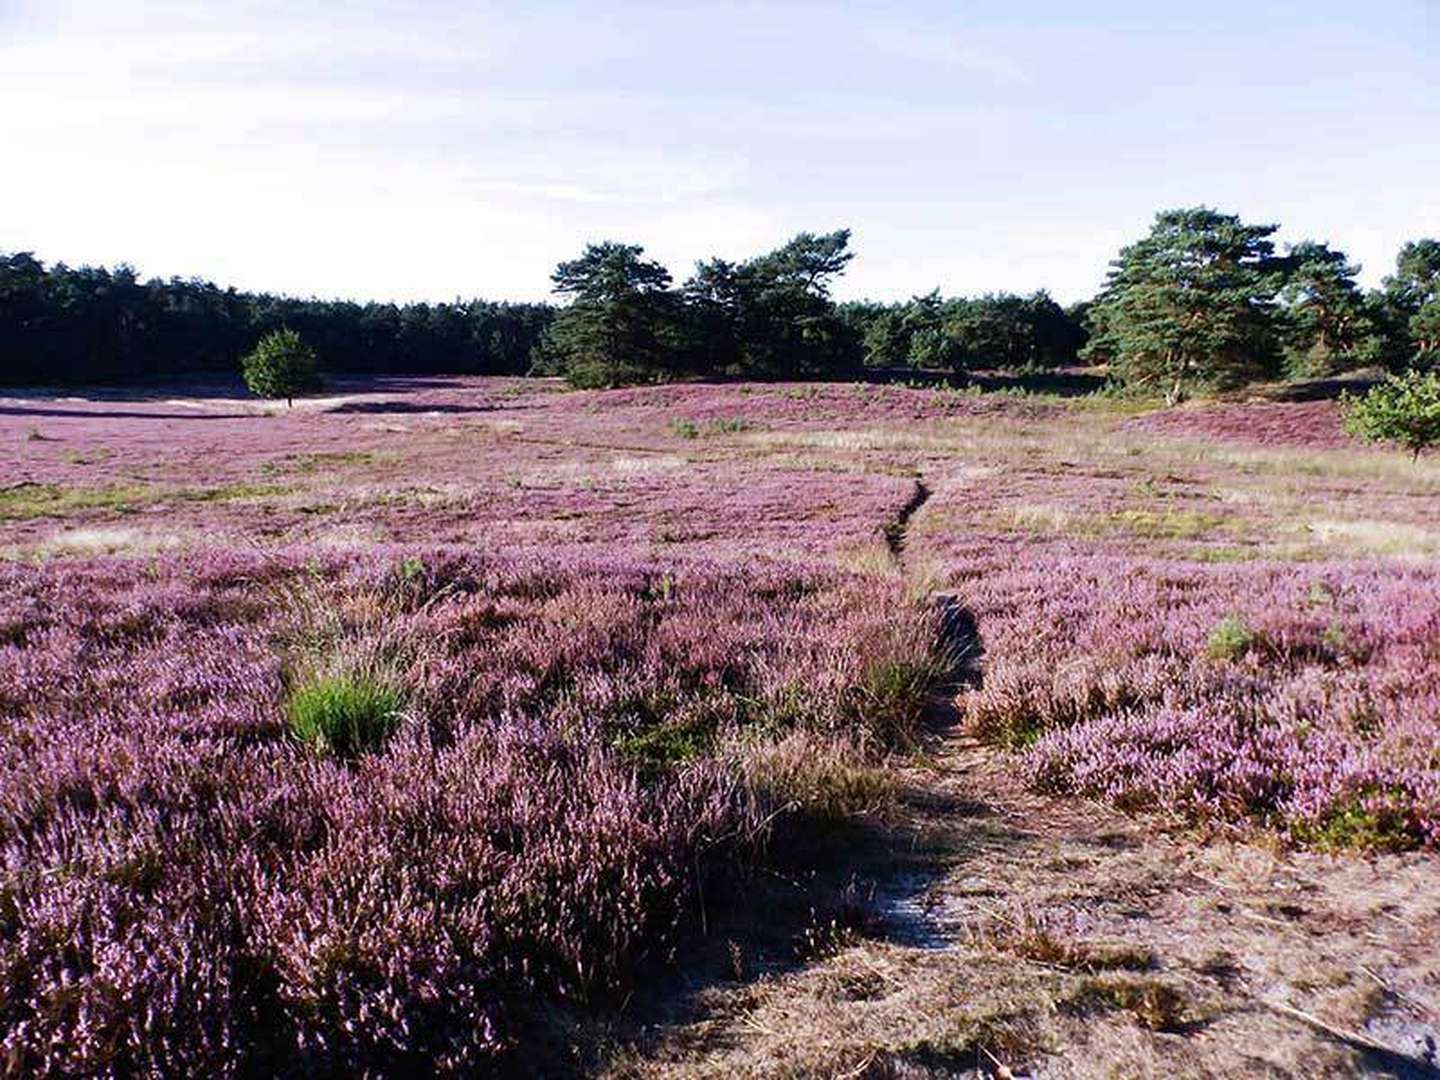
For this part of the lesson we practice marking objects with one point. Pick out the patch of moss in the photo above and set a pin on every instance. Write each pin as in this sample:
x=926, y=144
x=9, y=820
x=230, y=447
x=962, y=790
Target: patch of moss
x=1157, y=1005
x=1373, y=821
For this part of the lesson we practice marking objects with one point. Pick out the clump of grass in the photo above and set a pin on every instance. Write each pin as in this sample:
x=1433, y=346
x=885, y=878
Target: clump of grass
x=1230, y=640
x=87, y=457
x=891, y=700
x=304, y=464
x=1168, y=524
x=1223, y=554
x=344, y=715
x=825, y=779
x=1036, y=942
x=729, y=425
x=29, y=500
x=725, y=425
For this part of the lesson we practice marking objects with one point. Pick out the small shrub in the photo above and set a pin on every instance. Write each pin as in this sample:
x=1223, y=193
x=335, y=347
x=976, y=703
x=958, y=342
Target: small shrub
x=1404, y=409
x=344, y=715
x=281, y=366
x=1230, y=640
x=665, y=745
x=1376, y=820
x=685, y=429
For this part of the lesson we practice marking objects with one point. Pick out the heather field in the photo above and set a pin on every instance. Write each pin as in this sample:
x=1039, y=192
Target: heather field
x=986, y=684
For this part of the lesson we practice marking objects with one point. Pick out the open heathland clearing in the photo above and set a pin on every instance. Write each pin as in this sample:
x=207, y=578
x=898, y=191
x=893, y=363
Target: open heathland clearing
x=735, y=729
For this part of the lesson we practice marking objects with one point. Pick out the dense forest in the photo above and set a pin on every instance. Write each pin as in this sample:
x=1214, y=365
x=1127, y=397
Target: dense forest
x=1203, y=301
x=64, y=324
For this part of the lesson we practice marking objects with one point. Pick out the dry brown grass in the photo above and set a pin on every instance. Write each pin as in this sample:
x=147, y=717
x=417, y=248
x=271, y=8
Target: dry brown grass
x=1062, y=939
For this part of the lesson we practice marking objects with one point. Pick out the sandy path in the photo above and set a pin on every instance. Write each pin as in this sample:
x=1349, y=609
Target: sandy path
x=1058, y=938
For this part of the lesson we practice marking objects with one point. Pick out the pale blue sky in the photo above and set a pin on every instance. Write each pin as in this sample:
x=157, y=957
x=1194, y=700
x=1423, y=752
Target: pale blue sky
x=429, y=149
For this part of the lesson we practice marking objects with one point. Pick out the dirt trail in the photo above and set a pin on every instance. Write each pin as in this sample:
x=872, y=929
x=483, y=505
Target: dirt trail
x=1021, y=934
x=897, y=532
x=1063, y=939
x=1054, y=937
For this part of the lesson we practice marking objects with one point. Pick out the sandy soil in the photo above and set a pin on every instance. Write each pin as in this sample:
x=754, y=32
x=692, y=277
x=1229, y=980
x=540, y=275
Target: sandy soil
x=1022, y=935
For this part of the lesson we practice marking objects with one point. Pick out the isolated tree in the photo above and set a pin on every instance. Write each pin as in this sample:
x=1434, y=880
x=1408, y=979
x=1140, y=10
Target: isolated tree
x=622, y=325
x=1189, y=306
x=1404, y=409
x=281, y=366
x=1324, y=323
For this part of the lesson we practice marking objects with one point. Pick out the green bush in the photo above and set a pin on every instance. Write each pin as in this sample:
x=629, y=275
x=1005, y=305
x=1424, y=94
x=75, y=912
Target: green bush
x=1404, y=409
x=344, y=715
x=1230, y=640
x=281, y=366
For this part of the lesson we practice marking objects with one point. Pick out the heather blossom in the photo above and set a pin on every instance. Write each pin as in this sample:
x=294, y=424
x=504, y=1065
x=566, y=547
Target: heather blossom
x=188, y=887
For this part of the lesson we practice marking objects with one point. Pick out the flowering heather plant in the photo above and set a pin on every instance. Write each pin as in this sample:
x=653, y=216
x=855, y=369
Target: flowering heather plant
x=184, y=887
x=1305, y=698
x=1302, y=424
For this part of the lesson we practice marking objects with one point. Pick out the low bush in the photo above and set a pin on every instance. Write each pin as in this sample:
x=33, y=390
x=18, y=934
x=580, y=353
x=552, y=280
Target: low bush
x=1403, y=409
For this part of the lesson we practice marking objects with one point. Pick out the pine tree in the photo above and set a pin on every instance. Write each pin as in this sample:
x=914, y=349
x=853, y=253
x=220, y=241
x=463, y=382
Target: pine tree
x=1189, y=306
x=1325, y=325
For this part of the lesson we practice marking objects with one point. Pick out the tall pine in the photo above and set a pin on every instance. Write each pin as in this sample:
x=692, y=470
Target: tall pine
x=1189, y=306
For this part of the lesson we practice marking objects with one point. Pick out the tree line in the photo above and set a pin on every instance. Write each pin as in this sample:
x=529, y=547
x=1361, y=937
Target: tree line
x=1204, y=301
x=67, y=324
x=772, y=317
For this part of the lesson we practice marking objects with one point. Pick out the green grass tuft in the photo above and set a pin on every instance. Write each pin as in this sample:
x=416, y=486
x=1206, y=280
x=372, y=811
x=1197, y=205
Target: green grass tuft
x=344, y=715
